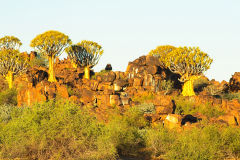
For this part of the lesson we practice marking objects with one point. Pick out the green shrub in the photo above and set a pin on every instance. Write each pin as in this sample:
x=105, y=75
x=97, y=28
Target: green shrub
x=39, y=61
x=210, y=142
x=231, y=96
x=188, y=106
x=6, y=112
x=8, y=96
x=147, y=108
x=126, y=131
x=166, y=85
x=101, y=73
x=159, y=140
x=59, y=130
x=143, y=98
x=200, y=83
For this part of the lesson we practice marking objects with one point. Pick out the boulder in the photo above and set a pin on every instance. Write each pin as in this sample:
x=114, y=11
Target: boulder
x=108, y=67
x=173, y=121
x=119, y=84
x=234, y=82
x=137, y=82
x=114, y=100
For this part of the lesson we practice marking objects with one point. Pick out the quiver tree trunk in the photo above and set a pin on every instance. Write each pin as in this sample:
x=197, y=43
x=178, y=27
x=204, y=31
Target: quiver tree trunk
x=188, y=88
x=87, y=72
x=51, y=73
x=9, y=79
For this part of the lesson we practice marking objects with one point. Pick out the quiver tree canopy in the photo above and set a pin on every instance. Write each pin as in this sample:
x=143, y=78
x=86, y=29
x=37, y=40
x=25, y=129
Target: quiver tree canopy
x=10, y=42
x=76, y=54
x=93, y=54
x=85, y=54
x=188, y=62
x=50, y=44
x=12, y=63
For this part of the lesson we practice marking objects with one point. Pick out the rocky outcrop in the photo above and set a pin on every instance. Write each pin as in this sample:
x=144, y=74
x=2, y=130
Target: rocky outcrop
x=234, y=82
x=147, y=72
x=143, y=78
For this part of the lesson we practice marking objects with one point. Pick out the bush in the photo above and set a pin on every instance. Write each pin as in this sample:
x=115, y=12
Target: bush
x=159, y=140
x=231, y=96
x=166, y=85
x=6, y=112
x=8, y=96
x=126, y=131
x=210, y=142
x=144, y=97
x=200, y=83
x=39, y=61
x=188, y=106
x=55, y=131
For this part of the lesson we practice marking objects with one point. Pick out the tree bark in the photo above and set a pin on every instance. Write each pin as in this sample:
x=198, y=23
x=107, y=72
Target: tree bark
x=51, y=72
x=87, y=72
x=188, y=89
x=9, y=79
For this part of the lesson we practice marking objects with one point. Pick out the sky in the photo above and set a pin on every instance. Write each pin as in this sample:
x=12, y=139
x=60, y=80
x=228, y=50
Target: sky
x=127, y=29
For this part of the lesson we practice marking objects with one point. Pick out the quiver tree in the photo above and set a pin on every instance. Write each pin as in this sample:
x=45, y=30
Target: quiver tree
x=12, y=63
x=189, y=63
x=10, y=42
x=76, y=54
x=50, y=44
x=85, y=54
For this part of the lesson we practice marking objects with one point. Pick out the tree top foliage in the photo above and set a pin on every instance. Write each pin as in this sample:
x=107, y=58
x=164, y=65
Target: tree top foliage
x=85, y=53
x=91, y=47
x=12, y=60
x=188, y=61
x=50, y=43
x=10, y=42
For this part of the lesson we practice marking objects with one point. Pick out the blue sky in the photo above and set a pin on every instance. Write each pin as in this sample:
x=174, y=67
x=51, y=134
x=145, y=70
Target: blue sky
x=128, y=29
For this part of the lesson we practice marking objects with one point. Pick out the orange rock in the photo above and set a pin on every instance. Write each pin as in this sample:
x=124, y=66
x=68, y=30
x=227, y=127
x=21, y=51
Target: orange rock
x=234, y=82
x=173, y=121
x=114, y=100
x=137, y=82
x=87, y=96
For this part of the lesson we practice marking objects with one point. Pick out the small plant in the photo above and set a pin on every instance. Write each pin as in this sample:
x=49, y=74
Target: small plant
x=101, y=73
x=213, y=90
x=5, y=112
x=188, y=106
x=231, y=96
x=143, y=98
x=8, y=96
x=39, y=61
x=166, y=85
x=147, y=108
x=200, y=84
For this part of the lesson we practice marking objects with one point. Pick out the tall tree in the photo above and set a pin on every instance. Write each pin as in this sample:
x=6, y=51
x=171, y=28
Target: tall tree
x=50, y=44
x=10, y=42
x=85, y=54
x=190, y=63
x=12, y=63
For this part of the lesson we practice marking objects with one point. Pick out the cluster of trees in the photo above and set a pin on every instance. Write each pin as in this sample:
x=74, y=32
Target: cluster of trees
x=188, y=62
x=50, y=45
